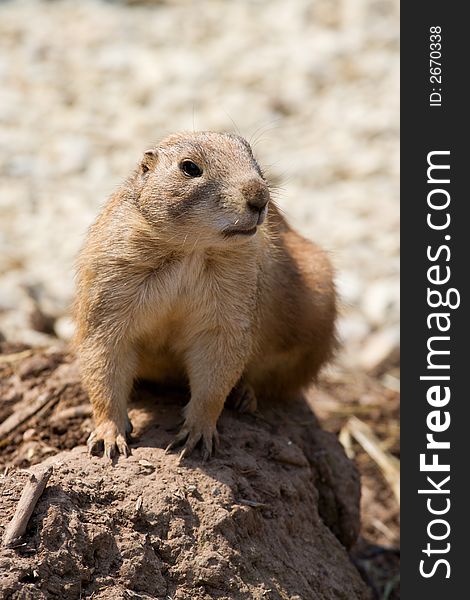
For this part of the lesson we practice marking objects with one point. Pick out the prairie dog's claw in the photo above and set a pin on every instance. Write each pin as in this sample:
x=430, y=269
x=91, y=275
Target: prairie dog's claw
x=190, y=436
x=107, y=439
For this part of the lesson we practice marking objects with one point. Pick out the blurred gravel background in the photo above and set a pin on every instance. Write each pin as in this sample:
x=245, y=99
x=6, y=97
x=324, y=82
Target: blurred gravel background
x=86, y=86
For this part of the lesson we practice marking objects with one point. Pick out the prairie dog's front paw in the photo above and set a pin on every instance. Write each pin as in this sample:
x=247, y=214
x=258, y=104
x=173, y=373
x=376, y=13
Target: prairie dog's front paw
x=193, y=432
x=109, y=439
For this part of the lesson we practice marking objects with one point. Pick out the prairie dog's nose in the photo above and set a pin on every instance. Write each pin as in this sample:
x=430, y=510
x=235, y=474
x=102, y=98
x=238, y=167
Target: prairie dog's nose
x=256, y=194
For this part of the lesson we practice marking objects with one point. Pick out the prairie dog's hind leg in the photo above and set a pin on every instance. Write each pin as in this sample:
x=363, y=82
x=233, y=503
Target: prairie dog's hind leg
x=243, y=398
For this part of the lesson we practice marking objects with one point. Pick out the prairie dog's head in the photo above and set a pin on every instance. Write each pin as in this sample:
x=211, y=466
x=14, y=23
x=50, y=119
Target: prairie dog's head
x=204, y=187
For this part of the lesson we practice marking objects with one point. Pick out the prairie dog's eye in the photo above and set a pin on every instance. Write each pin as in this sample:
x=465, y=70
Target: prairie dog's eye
x=190, y=168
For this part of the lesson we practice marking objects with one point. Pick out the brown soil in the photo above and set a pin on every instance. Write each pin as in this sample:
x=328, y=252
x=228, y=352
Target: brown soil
x=268, y=517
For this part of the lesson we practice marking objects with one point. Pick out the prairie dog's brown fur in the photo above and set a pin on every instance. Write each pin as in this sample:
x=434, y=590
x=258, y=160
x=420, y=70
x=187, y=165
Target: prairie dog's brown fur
x=182, y=278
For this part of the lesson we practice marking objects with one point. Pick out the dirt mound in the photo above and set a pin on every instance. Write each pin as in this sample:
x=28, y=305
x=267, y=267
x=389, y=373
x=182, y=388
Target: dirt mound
x=153, y=528
x=268, y=517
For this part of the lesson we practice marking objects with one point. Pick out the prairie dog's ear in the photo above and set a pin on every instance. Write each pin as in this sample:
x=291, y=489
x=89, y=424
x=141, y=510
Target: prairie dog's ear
x=149, y=160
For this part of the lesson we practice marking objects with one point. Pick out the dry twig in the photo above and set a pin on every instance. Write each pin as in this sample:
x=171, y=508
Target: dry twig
x=26, y=504
x=389, y=465
x=16, y=356
x=23, y=413
x=83, y=410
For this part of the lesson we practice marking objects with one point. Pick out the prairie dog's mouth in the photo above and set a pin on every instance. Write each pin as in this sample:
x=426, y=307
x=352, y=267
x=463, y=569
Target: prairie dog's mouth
x=240, y=231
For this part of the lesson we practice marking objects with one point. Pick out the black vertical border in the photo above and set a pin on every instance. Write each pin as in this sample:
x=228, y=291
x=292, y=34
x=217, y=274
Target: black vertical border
x=424, y=129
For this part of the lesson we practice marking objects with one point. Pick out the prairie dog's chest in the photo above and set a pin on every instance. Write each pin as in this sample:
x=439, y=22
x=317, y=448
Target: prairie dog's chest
x=199, y=291
x=183, y=286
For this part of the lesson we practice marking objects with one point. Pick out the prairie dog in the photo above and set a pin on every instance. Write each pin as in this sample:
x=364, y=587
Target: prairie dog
x=190, y=273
